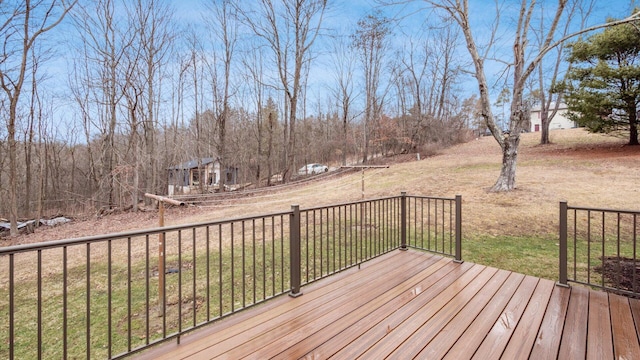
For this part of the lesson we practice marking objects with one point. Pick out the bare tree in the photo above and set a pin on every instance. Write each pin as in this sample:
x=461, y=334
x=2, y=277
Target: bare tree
x=414, y=88
x=520, y=67
x=290, y=31
x=29, y=131
x=427, y=72
x=101, y=86
x=198, y=124
x=371, y=39
x=81, y=92
x=270, y=113
x=172, y=135
x=133, y=96
x=3, y=151
x=155, y=35
x=224, y=27
x=458, y=10
x=344, y=61
x=253, y=66
x=26, y=23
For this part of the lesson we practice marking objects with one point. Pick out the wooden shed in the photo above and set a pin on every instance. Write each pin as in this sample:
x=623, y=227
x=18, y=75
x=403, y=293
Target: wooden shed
x=196, y=175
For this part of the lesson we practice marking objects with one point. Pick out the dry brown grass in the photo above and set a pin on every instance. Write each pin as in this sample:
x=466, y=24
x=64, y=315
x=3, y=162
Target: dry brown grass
x=584, y=169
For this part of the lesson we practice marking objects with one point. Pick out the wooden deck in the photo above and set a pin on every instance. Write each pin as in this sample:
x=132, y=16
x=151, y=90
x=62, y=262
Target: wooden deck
x=409, y=304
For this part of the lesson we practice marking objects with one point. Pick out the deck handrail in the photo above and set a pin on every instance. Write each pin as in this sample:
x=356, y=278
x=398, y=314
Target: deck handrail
x=595, y=244
x=103, y=297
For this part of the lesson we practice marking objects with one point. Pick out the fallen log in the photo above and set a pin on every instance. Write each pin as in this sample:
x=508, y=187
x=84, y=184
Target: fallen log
x=165, y=199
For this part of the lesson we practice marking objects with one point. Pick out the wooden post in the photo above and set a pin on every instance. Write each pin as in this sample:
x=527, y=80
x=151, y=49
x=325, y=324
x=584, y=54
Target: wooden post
x=363, y=167
x=363, y=183
x=161, y=250
x=161, y=240
x=162, y=199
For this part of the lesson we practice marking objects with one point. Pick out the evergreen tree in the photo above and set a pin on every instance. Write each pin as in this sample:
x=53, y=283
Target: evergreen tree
x=603, y=86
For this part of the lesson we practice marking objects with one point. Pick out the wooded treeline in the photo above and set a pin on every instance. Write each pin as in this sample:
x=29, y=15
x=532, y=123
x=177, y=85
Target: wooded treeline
x=263, y=86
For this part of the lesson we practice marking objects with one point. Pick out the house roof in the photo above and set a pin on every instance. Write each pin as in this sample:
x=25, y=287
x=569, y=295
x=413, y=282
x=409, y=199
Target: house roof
x=562, y=106
x=191, y=164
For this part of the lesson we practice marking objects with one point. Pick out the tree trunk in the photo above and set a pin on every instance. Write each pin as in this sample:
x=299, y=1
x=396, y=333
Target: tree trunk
x=136, y=183
x=365, y=150
x=285, y=137
x=13, y=165
x=291, y=144
x=222, y=151
x=28, y=146
x=270, y=148
x=344, y=138
x=633, y=124
x=507, y=179
x=151, y=182
x=544, y=126
x=259, y=154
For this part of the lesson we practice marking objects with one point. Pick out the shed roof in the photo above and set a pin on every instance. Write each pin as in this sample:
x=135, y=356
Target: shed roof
x=191, y=164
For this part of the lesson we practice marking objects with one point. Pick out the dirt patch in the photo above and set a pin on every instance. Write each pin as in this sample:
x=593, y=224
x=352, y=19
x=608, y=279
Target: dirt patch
x=623, y=273
x=587, y=151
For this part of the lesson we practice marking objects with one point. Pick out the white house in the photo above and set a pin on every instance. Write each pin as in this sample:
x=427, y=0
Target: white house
x=559, y=121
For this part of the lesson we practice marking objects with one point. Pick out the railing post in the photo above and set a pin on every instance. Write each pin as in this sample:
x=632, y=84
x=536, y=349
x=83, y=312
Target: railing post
x=403, y=221
x=562, y=265
x=294, y=251
x=458, y=255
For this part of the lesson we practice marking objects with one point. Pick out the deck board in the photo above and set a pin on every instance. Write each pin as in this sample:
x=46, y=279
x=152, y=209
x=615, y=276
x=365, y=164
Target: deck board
x=574, y=334
x=409, y=304
x=326, y=342
x=265, y=346
x=447, y=337
x=635, y=310
x=369, y=338
x=400, y=327
x=412, y=346
x=469, y=342
x=496, y=340
x=274, y=343
x=625, y=343
x=549, y=336
x=463, y=288
x=524, y=336
x=259, y=335
x=599, y=338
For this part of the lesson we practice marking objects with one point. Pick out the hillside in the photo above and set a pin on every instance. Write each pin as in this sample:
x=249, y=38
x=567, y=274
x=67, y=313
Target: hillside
x=584, y=169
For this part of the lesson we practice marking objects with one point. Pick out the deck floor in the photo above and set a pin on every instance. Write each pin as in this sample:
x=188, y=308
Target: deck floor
x=409, y=304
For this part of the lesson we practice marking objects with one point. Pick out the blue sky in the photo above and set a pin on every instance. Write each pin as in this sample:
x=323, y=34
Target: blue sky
x=343, y=16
